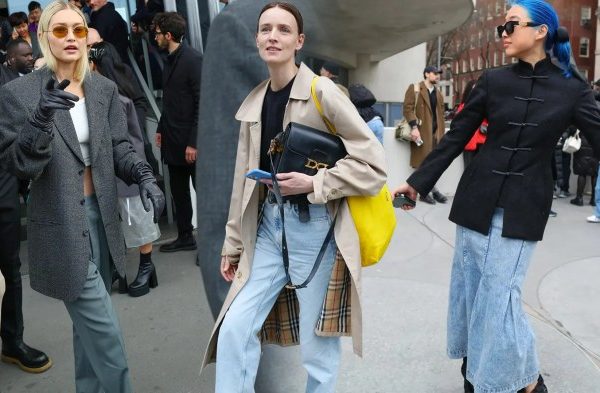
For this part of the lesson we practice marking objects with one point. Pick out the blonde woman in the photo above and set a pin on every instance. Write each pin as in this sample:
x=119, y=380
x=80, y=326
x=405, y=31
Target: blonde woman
x=65, y=129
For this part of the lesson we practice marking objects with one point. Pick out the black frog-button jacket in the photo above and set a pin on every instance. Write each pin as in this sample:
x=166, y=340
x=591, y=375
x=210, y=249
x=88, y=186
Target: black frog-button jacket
x=528, y=108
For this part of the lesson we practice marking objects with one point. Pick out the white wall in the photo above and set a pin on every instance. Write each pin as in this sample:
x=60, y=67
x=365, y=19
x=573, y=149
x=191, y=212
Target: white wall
x=389, y=78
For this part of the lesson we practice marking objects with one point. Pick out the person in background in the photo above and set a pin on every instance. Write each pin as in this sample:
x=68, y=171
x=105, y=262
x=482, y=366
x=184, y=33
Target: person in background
x=35, y=10
x=585, y=165
x=110, y=26
x=472, y=148
x=14, y=349
x=363, y=99
x=563, y=165
x=19, y=57
x=138, y=228
x=18, y=22
x=332, y=71
x=426, y=117
x=178, y=126
x=81, y=4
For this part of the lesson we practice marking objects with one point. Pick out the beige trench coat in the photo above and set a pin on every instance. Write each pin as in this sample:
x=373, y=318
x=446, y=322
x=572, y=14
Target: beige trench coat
x=362, y=172
x=425, y=115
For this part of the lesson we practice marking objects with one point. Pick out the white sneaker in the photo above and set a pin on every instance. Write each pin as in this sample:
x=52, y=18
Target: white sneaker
x=593, y=219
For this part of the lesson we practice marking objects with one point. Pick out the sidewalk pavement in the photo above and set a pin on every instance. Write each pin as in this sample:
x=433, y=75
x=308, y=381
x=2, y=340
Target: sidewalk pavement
x=404, y=311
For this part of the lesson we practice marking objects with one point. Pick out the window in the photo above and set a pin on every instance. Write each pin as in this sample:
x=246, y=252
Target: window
x=479, y=63
x=495, y=59
x=584, y=47
x=586, y=16
x=471, y=64
x=498, y=7
x=456, y=67
x=464, y=66
x=480, y=39
x=503, y=58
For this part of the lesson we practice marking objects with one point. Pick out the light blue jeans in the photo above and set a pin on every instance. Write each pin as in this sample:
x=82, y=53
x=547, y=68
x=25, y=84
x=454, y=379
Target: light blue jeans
x=486, y=321
x=239, y=347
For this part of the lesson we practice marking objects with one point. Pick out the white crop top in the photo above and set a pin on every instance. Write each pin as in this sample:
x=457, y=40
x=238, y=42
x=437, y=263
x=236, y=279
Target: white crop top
x=80, y=121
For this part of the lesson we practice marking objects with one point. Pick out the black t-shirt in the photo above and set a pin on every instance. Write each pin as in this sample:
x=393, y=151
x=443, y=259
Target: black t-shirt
x=272, y=114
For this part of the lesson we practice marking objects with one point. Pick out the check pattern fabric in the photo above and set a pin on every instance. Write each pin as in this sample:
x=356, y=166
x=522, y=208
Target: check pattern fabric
x=282, y=326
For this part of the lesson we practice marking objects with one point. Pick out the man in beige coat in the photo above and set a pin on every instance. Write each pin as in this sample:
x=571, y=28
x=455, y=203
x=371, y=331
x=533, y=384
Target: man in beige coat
x=427, y=122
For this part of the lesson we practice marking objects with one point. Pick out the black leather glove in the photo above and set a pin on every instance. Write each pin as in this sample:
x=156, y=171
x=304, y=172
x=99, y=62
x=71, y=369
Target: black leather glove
x=53, y=98
x=152, y=196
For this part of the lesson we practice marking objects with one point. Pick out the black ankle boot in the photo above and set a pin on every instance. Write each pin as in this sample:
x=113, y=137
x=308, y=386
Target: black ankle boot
x=469, y=388
x=26, y=358
x=540, y=387
x=146, y=277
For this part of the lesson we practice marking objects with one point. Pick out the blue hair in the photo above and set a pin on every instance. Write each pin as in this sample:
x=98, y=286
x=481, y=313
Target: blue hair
x=542, y=12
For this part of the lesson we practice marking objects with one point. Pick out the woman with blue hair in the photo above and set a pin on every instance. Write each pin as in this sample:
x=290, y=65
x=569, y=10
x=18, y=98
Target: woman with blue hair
x=502, y=202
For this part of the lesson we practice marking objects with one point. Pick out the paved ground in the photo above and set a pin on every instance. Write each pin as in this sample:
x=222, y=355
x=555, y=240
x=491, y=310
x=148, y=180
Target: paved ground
x=404, y=309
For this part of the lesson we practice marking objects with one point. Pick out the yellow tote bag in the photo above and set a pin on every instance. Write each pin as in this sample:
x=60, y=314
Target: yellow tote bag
x=373, y=216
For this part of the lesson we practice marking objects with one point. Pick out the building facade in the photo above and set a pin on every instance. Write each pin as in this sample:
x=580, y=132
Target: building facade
x=475, y=46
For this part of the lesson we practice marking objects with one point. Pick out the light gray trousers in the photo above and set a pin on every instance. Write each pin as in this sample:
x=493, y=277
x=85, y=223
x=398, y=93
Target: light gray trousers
x=99, y=350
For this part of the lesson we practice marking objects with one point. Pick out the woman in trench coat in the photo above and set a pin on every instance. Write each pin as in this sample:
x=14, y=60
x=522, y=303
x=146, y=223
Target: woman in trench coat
x=258, y=309
x=64, y=128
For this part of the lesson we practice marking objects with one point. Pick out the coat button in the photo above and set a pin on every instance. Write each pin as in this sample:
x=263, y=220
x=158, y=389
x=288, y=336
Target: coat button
x=239, y=275
x=80, y=172
x=82, y=202
x=85, y=233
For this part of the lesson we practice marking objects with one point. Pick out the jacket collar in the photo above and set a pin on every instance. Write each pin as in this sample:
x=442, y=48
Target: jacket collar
x=542, y=67
x=251, y=108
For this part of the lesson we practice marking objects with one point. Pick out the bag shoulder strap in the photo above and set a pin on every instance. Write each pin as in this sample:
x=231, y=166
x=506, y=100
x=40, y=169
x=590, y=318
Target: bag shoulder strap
x=313, y=93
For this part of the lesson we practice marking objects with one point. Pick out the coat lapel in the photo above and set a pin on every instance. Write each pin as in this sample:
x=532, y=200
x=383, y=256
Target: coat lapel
x=95, y=105
x=425, y=95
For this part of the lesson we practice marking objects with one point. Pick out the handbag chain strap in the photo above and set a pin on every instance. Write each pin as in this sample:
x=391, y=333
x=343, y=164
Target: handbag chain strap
x=279, y=199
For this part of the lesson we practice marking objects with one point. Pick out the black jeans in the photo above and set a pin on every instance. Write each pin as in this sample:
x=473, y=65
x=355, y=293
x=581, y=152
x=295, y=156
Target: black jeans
x=180, y=190
x=10, y=265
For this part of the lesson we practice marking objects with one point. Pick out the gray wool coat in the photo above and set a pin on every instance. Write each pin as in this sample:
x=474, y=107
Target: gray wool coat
x=58, y=237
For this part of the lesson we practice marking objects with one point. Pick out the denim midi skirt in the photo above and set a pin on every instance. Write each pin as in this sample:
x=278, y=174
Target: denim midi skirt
x=486, y=321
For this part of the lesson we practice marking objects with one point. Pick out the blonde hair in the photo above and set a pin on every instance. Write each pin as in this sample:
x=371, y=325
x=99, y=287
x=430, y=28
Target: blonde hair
x=82, y=68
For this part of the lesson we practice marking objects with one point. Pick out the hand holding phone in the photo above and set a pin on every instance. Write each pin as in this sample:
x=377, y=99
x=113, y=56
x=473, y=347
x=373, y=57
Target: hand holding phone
x=402, y=200
x=258, y=174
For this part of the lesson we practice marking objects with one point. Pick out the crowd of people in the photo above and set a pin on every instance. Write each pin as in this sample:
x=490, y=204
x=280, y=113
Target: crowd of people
x=73, y=143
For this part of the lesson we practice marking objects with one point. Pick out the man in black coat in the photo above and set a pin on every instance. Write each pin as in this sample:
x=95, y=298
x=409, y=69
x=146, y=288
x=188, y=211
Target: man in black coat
x=177, y=129
x=110, y=26
x=14, y=350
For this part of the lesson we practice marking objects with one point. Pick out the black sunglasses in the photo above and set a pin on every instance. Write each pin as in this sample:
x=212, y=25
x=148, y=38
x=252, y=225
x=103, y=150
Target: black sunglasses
x=509, y=26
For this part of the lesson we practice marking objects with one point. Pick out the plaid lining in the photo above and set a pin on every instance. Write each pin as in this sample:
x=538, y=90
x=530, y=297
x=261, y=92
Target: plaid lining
x=282, y=324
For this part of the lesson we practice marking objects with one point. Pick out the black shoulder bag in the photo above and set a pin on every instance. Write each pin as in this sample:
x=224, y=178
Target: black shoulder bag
x=305, y=150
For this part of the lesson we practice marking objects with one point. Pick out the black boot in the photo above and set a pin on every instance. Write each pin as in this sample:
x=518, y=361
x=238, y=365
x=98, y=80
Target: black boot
x=146, y=277
x=183, y=242
x=26, y=358
x=577, y=201
x=540, y=387
x=469, y=388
